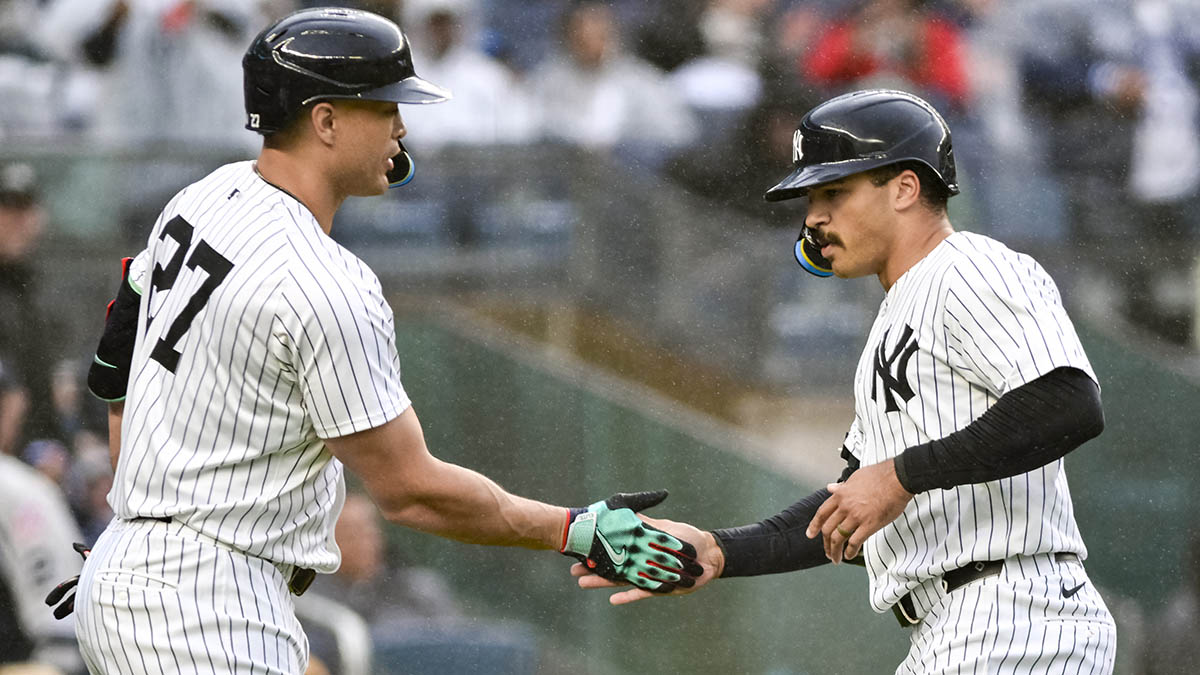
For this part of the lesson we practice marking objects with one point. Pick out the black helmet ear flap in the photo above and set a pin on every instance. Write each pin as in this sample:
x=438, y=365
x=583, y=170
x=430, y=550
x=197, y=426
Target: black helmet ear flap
x=402, y=169
x=809, y=256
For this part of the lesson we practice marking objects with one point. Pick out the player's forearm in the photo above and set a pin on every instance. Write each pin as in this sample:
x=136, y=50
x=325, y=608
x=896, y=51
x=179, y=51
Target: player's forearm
x=462, y=504
x=1029, y=427
x=415, y=489
x=776, y=544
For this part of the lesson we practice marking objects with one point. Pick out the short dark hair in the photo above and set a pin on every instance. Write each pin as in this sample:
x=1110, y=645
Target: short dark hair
x=278, y=139
x=933, y=191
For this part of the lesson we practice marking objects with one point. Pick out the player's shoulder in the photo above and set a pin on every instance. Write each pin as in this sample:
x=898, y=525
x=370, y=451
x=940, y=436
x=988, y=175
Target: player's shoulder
x=235, y=198
x=234, y=192
x=340, y=269
x=966, y=245
x=233, y=174
x=228, y=197
x=304, y=260
x=321, y=271
x=984, y=268
x=979, y=257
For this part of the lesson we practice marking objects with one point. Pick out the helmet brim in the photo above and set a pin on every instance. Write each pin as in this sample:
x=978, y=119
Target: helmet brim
x=410, y=90
x=801, y=180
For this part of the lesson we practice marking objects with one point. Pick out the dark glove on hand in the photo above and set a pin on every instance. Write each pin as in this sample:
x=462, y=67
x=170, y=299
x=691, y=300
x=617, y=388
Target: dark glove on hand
x=614, y=543
x=64, y=610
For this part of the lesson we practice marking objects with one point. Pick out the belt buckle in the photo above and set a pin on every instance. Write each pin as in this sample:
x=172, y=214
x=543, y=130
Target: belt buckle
x=302, y=578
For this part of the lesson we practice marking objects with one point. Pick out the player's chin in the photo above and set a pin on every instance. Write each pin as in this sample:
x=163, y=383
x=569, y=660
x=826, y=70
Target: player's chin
x=844, y=268
x=372, y=186
x=839, y=269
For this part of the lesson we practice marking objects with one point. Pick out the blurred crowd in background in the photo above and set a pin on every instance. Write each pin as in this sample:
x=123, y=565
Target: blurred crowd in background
x=1076, y=122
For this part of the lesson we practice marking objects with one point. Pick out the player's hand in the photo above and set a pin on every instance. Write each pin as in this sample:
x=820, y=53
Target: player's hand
x=870, y=498
x=64, y=610
x=610, y=539
x=708, y=555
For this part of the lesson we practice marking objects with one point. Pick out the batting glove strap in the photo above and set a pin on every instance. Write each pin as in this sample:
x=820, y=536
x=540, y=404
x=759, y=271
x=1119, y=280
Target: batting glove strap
x=579, y=532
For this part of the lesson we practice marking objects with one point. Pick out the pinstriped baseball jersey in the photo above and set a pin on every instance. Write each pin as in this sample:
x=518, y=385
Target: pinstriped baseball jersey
x=966, y=324
x=258, y=336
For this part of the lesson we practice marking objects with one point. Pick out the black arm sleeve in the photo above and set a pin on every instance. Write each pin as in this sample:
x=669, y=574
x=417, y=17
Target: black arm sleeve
x=1029, y=427
x=109, y=373
x=779, y=543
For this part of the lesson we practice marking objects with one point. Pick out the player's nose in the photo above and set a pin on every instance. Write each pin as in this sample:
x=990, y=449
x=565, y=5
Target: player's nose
x=815, y=219
x=399, y=130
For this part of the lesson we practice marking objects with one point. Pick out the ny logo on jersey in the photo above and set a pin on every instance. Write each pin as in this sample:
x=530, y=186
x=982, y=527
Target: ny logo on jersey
x=894, y=384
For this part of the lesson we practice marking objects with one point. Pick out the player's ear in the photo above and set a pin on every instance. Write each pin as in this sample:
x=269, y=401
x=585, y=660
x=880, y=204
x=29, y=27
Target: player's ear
x=323, y=117
x=906, y=189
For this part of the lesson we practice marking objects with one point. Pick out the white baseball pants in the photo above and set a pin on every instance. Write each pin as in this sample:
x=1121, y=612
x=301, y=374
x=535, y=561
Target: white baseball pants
x=157, y=597
x=1036, y=616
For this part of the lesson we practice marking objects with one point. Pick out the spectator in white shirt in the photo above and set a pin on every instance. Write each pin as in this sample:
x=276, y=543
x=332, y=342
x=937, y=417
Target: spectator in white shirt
x=597, y=95
x=490, y=105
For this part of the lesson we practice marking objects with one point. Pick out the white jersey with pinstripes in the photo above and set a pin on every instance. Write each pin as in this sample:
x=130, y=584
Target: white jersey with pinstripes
x=969, y=322
x=258, y=336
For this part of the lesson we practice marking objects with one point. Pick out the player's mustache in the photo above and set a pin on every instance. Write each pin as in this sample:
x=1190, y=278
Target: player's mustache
x=820, y=239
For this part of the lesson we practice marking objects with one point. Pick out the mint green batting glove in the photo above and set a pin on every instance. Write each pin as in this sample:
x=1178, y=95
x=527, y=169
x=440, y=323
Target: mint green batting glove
x=614, y=543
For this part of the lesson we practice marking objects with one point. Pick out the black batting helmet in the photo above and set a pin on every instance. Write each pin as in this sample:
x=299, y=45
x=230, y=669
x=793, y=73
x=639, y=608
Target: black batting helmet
x=328, y=53
x=857, y=132
x=865, y=130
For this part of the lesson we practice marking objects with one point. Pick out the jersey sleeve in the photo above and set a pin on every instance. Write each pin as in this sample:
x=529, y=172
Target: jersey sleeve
x=342, y=348
x=1006, y=325
x=108, y=376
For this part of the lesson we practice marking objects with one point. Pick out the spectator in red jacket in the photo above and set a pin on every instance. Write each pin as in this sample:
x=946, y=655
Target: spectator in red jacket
x=892, y=43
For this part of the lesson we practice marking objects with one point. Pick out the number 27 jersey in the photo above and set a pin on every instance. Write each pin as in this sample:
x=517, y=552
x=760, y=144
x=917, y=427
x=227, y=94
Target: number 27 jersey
x=257, y=337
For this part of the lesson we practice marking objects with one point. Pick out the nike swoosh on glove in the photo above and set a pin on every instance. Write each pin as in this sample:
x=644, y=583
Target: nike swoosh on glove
x=614, y=543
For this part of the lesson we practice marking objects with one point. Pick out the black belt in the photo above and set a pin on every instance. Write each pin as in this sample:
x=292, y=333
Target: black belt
x=300, y=580
x=906, y=611
x=161, y=519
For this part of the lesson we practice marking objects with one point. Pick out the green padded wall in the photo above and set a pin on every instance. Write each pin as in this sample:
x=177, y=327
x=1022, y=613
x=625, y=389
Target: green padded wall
x=550, y=433
x=543, y=436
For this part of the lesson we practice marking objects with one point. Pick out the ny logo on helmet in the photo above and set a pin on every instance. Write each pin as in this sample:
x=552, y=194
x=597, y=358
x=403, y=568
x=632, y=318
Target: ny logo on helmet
x=255, y=120
x=797, y=152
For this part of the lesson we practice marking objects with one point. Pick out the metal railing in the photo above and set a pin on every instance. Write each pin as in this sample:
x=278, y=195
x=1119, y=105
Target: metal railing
x=350, y=632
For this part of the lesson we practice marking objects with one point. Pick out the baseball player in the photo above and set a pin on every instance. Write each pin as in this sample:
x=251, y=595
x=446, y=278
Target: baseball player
x=971, y=389
x=261, y=360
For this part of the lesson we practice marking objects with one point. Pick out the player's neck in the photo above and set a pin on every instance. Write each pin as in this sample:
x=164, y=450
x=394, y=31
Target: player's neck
x=308, y=187
x=911, y=246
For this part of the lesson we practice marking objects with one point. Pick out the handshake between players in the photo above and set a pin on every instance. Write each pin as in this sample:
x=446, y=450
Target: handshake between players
x=611, y=542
